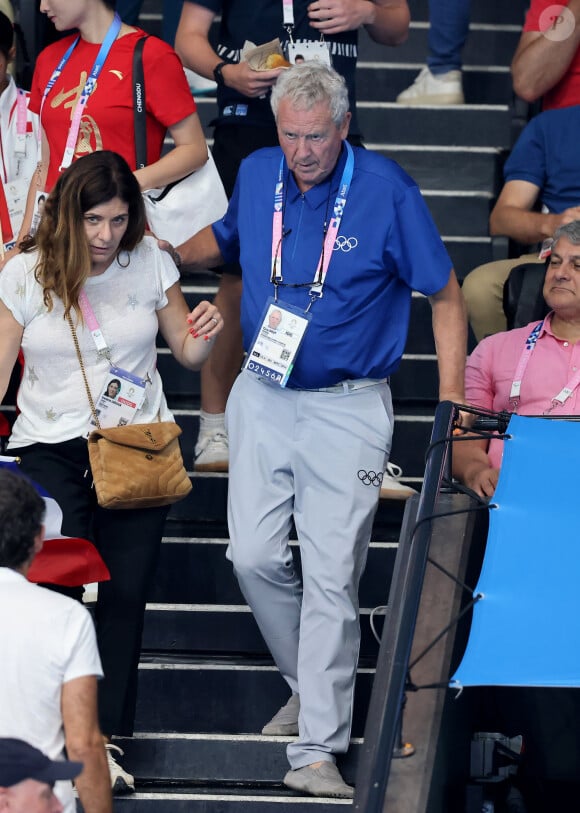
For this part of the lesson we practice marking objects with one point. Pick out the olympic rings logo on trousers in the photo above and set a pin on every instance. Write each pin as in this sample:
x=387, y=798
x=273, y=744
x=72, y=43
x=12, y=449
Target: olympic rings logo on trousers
x=370, y=478
x=343, y=243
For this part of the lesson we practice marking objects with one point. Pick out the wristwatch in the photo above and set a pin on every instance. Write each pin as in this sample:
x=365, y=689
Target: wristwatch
x=217, y=73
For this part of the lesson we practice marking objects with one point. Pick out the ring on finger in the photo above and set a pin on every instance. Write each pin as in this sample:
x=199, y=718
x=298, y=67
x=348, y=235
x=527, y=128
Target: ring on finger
x=213, y=319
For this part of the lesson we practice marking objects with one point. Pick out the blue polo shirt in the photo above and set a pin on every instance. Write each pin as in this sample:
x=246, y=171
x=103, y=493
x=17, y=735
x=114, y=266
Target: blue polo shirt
x=387, y=247
x=546, y=155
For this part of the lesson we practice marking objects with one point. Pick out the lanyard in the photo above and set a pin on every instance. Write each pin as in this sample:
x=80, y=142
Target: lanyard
x=93, y=324
x=523, y=362
x=288, y=19
x=331, y=232
x=21, y=120
x=106, y=45
x=21, y=107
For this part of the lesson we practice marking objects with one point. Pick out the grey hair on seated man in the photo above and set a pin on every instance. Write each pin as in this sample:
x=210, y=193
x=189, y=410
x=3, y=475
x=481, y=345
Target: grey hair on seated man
x=571, y=231
x=307, y=84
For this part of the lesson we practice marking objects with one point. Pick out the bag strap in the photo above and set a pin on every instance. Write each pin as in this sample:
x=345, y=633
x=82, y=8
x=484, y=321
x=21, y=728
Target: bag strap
x=83, y=371
x=139, y=112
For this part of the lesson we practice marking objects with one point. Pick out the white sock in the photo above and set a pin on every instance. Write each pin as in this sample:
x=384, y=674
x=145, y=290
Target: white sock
x=210, y=423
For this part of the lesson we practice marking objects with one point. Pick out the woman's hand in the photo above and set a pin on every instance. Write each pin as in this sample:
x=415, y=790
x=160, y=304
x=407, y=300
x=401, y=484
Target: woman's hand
x=205, y=321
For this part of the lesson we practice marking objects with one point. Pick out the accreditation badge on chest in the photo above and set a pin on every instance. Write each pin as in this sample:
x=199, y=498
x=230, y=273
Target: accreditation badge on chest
x=306, y=51
x=16, y=193
x=277, y=342
x=122, y=395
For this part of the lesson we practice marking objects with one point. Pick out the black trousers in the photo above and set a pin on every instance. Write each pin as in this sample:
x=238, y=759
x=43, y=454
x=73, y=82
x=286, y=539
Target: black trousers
x=129, y=542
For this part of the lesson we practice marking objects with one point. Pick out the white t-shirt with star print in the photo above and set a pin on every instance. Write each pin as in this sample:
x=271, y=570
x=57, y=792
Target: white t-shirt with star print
x=52, y=398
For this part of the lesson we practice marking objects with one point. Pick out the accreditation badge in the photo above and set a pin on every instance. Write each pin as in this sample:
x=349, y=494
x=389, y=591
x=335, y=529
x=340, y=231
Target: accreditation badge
x=277, y=342
x=306, y=51
x=122, y=395
x=16, y=193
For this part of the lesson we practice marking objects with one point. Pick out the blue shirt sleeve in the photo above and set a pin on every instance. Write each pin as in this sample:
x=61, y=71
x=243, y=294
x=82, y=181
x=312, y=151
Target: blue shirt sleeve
x=527, y=161
x=414, y=247
x=226, y=230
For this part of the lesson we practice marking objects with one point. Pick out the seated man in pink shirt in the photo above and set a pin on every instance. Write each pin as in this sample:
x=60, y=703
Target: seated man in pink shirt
x=533, y=370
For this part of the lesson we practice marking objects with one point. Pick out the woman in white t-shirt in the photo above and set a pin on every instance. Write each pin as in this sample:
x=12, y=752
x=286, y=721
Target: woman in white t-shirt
x=90, y=248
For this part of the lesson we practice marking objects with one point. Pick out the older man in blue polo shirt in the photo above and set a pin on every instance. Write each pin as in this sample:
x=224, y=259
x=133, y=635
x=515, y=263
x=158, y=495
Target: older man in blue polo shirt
x=335, y=239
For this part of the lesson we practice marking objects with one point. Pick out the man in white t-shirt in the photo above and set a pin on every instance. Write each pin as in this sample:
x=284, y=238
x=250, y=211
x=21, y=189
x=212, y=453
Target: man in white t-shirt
x=50, y=661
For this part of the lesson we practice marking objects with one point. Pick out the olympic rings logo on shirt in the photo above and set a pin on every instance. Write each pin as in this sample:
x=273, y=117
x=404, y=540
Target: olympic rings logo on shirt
x=370, y=478
x=345, y=243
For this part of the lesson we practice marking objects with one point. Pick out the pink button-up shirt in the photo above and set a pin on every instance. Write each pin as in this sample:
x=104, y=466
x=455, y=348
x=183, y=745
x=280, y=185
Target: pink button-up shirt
x=491, y=368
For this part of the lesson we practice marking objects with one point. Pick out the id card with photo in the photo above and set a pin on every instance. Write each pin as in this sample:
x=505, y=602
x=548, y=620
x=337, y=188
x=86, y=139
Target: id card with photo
x=277, y=342
x=122, y=395
x=39, y=202
x=306, y=51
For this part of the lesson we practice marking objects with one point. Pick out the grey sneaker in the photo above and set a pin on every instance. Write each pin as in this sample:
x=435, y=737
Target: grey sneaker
x=212, y=453
x=121, y=780
x=323, y=781
x=285, y=722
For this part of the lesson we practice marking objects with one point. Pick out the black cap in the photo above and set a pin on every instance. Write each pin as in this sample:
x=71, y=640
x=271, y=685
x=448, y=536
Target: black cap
x=6, y=34
x=20, y=761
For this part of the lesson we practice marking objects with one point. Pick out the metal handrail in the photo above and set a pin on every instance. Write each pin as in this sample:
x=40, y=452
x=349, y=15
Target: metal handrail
x=383, y=719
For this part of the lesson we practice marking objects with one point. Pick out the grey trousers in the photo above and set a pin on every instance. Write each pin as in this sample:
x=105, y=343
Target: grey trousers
x=308, y=455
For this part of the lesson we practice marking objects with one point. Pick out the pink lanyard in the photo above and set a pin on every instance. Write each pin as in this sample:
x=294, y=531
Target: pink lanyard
x=330, y=237
x=21, y=122
x=523, y=362
x=90, y=84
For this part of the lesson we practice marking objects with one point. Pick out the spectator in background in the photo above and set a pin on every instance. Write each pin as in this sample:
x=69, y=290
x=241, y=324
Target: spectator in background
x=18, y=142
x=245, y=123
x=50, y=663
x=101, y=125
x=440, y=81
x=543, y=167
x=548, y=351
x=546, y=63
x=27, y=778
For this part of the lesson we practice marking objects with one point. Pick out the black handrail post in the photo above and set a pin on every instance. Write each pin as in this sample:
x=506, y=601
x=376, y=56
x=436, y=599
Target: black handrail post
x=397, y=637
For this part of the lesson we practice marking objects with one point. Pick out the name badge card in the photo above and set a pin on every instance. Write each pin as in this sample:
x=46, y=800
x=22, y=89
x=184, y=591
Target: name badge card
x=306, y=51
x=277, y=342
x=16, y=193
x=122, y=395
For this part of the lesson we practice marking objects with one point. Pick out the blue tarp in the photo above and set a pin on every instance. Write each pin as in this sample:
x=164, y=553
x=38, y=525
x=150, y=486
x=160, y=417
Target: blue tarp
x=526, y=628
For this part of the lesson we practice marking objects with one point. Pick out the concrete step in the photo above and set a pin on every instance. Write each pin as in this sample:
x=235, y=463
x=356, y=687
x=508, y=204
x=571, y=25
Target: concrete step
x=195, y=571
x=226, y=630
x=475, y=169
x=390, y=123
x=482, y=11
x=181, y=800
x=209, y=759
x=383, y=81
x=487, y=45
x=224, y=698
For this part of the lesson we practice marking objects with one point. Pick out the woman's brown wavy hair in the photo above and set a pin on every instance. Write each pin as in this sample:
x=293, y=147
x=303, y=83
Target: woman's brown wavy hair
x=64, y=260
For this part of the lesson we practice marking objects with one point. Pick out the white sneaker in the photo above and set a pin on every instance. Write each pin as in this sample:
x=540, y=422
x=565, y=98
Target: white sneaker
x=212, y=453
x=443, y=88
x=121, y=781
x=392, y=488
x=199, y=85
